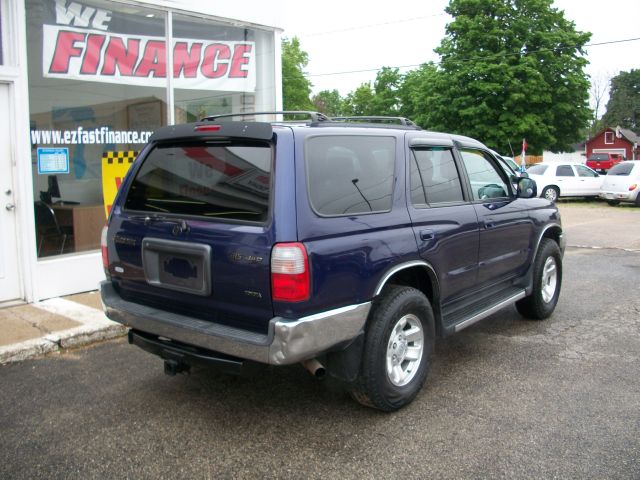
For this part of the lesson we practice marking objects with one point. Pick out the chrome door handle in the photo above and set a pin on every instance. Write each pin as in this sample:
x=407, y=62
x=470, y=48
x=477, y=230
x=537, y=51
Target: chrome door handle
x=10, y=206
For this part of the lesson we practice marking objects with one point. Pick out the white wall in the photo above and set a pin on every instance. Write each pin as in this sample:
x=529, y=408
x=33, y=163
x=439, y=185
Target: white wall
x=549, y=157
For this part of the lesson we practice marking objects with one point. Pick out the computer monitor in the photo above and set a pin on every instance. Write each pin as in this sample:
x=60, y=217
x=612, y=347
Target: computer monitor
x=54, y=188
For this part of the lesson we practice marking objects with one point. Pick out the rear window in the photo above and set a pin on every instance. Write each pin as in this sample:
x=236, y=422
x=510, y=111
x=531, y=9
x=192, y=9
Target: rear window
x=350, y=174
x=621, y=169
x=537, y=169
x=599, y=156
x=226, y=181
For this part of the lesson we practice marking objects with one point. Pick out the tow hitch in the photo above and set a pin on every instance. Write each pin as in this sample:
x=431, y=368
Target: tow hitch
x=171, y=367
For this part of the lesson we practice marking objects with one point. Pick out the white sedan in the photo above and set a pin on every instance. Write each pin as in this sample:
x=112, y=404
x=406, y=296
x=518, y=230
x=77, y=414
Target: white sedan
x=565, y=180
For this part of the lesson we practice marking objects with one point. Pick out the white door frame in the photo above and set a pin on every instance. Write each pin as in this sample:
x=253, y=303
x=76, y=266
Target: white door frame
x=11, y=284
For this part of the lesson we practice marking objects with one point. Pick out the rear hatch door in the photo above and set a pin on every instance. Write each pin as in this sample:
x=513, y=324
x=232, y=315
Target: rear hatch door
x=193, y=233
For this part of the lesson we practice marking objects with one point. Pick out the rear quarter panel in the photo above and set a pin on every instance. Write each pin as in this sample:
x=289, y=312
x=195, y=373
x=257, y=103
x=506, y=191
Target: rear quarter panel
x=348, y=255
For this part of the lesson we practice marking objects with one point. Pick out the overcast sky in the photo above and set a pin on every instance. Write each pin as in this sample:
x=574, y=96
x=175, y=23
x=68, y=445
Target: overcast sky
x=343, y=36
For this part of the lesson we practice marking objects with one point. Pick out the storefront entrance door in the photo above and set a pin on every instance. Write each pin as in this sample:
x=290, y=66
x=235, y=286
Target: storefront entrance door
x=10, y=284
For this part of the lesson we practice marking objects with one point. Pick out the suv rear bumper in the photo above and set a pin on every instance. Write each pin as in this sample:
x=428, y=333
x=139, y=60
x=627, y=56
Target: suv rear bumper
x=287, y=341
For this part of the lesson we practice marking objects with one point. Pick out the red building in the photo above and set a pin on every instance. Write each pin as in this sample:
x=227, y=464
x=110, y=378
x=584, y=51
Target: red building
x=615, y=140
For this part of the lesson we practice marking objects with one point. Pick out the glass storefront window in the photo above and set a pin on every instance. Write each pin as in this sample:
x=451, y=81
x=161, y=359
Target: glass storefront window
x=96, y=85
x=98, y=88
x=220, y=69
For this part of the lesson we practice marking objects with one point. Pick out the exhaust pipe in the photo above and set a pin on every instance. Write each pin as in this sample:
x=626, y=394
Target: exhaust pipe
x=315, y=368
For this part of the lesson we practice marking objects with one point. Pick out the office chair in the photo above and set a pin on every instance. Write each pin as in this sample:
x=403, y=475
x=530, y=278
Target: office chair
x=47, y=226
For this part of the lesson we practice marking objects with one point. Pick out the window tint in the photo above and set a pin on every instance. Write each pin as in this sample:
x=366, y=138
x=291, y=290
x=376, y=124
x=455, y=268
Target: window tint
x=565, y=171
x=350, y=174
x=217, y=181
x=622, y=169
x=434, y=177
x=585, y=171
x=537, y=169
x=485, y=180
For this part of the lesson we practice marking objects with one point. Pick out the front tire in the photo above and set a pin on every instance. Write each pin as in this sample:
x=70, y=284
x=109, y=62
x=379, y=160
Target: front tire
x=547, y=280
x=398, y=345
x=613, y=203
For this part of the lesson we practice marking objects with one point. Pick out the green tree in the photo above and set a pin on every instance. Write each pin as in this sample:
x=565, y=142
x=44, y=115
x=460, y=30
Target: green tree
x=623, y=107
x=511, y=69
x=329, y=102
x=415, y=92
x=296, y=89
x=385, y=93
x=360, y=101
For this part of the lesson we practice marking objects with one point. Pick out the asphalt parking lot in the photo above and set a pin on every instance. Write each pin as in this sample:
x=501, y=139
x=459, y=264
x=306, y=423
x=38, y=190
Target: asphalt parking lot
x=506, y=398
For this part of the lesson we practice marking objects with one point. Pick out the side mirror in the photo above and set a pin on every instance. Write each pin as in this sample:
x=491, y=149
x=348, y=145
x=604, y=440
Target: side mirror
x=524, y=175
x=527, y=188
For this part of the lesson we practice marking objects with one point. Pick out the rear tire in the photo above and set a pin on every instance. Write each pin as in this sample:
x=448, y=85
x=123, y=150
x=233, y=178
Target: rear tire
x=397, y=352
x=551, y=193
x=547, y=280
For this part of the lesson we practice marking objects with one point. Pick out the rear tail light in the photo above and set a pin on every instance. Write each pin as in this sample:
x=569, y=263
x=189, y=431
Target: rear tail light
x=103, y=247
x=290, y=280
x=633, y=187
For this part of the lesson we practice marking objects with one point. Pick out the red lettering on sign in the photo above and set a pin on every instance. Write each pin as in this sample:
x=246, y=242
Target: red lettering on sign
x=212, y=66
x=240, y=59
x=153, y=60
x=186, y=60
x=109, y=209
x=116, y=55
x=118, y=182
x=65, y=50
x=91, y=58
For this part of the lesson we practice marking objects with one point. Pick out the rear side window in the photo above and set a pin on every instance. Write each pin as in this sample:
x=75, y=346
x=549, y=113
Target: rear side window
x=434, y=177
x=350, y=174
x=226, y=181
x=565, y=171
x=621, y=169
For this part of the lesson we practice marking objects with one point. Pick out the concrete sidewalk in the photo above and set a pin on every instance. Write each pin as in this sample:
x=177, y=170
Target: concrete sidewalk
x=52, y=325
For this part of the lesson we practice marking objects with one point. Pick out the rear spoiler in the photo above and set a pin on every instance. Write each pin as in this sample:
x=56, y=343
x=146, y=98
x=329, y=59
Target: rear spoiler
x=245, y=130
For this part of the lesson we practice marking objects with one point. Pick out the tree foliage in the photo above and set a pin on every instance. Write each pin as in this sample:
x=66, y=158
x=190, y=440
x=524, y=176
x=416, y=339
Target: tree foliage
x=296, y=89
x=416, y=92
x=623, y=107
x=360, y=101
x=510, y=69
x=329, y=102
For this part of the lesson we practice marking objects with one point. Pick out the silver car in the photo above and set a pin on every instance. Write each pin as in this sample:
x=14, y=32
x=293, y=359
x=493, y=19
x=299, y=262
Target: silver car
x=622, y=183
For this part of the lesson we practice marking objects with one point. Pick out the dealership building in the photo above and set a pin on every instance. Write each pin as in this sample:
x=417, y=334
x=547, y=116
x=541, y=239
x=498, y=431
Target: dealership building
x=83, y=84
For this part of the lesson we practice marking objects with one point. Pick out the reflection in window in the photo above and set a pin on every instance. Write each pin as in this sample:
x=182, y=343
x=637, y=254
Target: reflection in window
x=226, y=182
x=350, y=174
x=486, y=182
x=434, y=177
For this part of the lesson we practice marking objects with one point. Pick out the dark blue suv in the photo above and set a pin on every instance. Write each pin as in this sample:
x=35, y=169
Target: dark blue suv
x=346, y=246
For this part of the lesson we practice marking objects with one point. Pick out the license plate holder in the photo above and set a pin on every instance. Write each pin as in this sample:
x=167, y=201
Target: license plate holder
x=180, y=266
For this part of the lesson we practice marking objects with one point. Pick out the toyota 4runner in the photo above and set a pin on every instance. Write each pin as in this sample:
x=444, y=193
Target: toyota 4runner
x=346, y=246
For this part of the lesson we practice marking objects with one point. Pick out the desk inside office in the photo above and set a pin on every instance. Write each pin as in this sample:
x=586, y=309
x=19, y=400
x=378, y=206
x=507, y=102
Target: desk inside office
x=86, y=220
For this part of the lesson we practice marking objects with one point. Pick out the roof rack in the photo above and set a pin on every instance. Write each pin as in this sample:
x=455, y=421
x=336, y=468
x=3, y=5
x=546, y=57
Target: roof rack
x=376, y=119
x=314, y=117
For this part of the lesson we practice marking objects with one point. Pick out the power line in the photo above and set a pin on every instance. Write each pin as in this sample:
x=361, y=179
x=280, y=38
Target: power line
x=373, y=25
x=488, y=57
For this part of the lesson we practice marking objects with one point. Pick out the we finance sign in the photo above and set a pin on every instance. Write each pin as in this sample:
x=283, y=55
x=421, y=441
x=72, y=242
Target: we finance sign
x=84, y=45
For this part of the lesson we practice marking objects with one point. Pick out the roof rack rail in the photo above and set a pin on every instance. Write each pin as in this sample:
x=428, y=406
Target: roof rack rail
x=313, y=116
x=376, y=119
